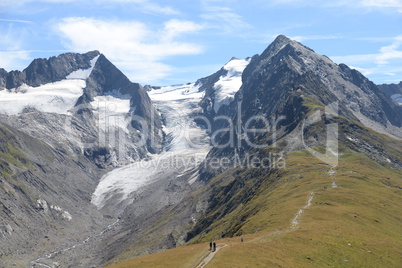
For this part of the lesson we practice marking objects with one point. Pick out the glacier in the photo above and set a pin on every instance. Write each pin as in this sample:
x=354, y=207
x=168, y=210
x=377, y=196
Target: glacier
x=187, y=147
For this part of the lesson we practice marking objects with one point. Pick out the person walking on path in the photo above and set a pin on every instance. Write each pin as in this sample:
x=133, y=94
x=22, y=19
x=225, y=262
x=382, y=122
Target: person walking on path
x=210, y=245
x=214, y=246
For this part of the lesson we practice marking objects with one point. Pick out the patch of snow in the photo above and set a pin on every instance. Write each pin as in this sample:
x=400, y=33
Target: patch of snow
x=187, y=148
x=192, y=179
x=66, y=215
x=42, y=204
x=5, y=229
x=56, y=208
x=83, y=74
x=229, y=84
x=397, y=98
x=112, y=112
x=58, y=97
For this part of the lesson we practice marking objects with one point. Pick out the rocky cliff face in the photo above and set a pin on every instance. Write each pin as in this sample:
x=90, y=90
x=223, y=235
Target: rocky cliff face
x=44, y=71
x=351, y=88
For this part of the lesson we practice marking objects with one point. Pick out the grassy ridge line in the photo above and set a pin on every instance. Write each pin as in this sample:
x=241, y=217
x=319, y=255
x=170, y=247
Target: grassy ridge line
x=356, y=224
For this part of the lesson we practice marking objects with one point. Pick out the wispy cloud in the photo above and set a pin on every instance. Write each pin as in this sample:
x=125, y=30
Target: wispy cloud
x=146, y=6
x=390, y=52
x=133, y=46
x=226, y=21
x=382, y=3
x=383, y=57
x=386, y=61
x=18, y=21
x=13, y=59
x=222, y=18
x=396, y=4
x=314, y=37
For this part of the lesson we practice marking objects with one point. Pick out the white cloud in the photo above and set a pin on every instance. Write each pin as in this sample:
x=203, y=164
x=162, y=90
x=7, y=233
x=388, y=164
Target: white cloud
x=132, y=46
x=219, y=16
x=382, y=3
x=385, y=62
x=19, y=21
x=226, y=21
x=385, y=55
x=10, y=60
x=174, y=28
x=390, y=52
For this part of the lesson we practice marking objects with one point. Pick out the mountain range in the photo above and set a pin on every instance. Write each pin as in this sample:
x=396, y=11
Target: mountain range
x=96, y=169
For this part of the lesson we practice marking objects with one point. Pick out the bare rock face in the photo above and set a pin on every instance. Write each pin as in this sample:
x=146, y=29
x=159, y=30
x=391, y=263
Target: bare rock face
x=362, y=97
x=44, y=71
x=283, y=83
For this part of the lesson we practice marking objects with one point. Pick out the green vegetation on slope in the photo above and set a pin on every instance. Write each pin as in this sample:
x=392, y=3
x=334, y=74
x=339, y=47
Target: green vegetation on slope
x=357, y=224
x=10, y=156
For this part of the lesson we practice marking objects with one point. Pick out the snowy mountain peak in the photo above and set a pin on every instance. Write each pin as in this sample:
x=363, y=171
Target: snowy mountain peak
x=54, y=97
x=230, y=82
x=45, y=71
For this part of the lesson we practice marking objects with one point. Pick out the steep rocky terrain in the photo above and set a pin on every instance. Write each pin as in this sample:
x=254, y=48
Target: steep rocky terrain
x=45, y=198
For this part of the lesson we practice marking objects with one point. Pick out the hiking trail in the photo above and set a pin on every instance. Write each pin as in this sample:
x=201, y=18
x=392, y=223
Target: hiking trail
x=206, y=258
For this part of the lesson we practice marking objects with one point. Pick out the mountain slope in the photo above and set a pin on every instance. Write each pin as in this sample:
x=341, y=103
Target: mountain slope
x=355, y=224
x=40, y=211
x=77, y=117
x=300, y=130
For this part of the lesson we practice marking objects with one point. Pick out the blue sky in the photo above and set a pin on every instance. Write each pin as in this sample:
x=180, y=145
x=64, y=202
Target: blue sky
x=171, y=42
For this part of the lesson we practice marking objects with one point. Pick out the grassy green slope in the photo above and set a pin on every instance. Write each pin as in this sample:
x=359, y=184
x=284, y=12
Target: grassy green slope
x=357, y=224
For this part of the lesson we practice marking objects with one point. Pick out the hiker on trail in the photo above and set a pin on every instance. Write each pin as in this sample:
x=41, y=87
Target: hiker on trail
x=210, y=245
x=214, y=246
x=241, y=239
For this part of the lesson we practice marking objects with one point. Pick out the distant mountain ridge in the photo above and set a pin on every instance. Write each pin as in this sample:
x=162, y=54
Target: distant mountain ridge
x=43, y=71
x=393, y=90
